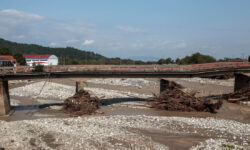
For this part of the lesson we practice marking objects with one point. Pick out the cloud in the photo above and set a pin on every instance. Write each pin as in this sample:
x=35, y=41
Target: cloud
x=20, y=36
x=129, y=29
x=20, y=14
x=53, y=44
x=14, y=17
x=88, y=42
x=74, y=28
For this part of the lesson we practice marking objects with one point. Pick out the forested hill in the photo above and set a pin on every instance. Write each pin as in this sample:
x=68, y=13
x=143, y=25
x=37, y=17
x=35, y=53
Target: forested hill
x=70, y=55
x=59, y=52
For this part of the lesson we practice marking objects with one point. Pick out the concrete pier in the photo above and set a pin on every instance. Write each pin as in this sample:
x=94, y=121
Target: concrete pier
x=242, y=80
x=163, y=85
x=4, y=98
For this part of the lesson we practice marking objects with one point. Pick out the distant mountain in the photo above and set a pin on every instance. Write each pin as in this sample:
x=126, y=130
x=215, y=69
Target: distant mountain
x=69, y=52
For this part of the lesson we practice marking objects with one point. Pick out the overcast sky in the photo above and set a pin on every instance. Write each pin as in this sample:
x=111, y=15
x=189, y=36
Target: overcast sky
x=144, y=29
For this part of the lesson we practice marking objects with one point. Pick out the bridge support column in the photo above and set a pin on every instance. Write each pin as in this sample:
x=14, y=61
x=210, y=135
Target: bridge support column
x=241, y=81
x=163, y=85
x=77, y=86
x=4, y=98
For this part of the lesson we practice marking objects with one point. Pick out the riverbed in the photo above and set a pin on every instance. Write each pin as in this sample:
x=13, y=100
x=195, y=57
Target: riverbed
x=124, y=121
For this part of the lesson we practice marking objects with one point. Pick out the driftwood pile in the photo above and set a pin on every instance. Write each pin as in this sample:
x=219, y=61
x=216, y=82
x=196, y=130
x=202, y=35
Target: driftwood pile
x=241, y=95
x=174, y=99
x=81, y=103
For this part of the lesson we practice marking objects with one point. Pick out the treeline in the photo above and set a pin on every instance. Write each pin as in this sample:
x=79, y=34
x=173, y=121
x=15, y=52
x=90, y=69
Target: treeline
x=18, y=56
x=73, y=56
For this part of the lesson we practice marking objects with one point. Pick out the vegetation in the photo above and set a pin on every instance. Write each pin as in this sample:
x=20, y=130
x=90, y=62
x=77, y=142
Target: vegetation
x=5, y=51
x=38, y=68
x=165, y=61
x=19, y=58
x=197, y=58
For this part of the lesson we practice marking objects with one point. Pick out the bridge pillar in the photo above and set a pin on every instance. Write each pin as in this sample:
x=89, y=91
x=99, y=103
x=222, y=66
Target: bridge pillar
x=163, y=85
x=4, y=98
x=77, y=86
x=242, y=80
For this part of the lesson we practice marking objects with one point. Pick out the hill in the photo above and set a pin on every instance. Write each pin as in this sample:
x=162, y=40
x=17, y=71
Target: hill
x=68, y=52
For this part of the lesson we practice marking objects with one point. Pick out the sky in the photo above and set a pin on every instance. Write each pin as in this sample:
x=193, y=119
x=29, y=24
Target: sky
x=137, y=29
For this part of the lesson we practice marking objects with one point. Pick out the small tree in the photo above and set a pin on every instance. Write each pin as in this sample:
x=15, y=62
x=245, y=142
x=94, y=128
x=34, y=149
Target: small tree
x=169, y=61
x=177, y=61
x=19, y=58
x=38, y=68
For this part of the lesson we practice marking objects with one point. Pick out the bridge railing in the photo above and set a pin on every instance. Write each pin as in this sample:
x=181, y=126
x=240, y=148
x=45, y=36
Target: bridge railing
x=12, y=70
x=132, y=68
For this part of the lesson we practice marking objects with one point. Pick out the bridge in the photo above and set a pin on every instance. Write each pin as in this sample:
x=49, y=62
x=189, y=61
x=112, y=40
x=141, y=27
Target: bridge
x=116, y=71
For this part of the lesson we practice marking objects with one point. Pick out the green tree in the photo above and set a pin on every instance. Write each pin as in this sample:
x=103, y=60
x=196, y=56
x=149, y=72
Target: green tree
x=5, y=51
x=19, y=58
x=169, y=61
x=197, y=58
x=161, y=61
x=177, y=60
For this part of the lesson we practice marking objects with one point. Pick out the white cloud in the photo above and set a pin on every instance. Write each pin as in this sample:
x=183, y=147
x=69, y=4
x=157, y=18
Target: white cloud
x=14, y=17
x=20, y=36
x=88, y=42
x=129, y=29
x=53, y=44
x=20, y=14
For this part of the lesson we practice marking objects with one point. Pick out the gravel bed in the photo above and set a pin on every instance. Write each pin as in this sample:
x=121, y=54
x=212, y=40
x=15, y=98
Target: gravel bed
x=113, y=132
x=99, y=92
x=229, y=82
x=220, y=144
x=52, y=90
x=44, y=90
x=124, y=82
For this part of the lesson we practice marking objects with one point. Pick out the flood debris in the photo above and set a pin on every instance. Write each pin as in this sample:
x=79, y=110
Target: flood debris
x=240, y=95
x=174, y=99
x=81, y=103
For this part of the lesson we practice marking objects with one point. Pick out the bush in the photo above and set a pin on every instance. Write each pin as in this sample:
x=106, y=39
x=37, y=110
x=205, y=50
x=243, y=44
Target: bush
x=38, y=68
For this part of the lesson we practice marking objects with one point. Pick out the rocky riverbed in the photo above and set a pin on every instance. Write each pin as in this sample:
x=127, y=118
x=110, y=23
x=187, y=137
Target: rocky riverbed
x=123, y=122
